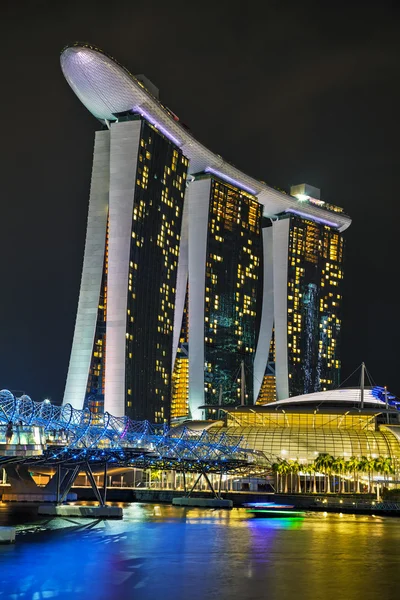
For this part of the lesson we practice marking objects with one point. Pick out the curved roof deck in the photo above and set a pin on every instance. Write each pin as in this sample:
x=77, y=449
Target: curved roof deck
x=342, y=399
x=106, y=89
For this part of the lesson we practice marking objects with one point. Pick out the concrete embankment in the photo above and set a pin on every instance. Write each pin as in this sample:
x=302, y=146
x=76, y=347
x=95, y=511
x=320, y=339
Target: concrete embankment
x=346, y=503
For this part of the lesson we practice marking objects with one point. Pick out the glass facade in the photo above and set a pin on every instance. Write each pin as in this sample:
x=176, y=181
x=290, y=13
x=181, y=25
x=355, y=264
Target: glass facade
x=268, y=386
x=299, y=420
x=303, y=435
x=156, y=229
x=315, y=274
x=231, y=311
x=304, y=445
x=180, y=376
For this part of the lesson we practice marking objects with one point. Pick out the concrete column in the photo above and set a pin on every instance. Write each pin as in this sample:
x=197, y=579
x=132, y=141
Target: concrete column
x=198, y=199
x=124, y=148
x=92, y=272
x=181, y=279
x=281, y=251
x=267, y=312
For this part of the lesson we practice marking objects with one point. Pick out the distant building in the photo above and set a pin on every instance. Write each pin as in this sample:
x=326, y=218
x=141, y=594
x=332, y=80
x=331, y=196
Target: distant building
x=190, y=265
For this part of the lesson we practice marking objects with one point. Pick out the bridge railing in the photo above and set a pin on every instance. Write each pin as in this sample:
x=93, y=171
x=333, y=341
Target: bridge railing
x=26, y=435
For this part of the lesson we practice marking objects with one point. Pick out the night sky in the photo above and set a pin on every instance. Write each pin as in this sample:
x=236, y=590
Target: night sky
x=290, y=92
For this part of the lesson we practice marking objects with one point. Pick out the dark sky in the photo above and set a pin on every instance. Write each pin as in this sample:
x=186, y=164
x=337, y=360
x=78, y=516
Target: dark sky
x=290, y=92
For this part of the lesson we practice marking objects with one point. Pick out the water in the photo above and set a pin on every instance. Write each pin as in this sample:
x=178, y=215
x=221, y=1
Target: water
x=168, y=553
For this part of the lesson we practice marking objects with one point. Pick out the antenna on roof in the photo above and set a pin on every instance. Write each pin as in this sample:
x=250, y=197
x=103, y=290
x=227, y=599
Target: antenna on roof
x=242, y=384
x=362, y=384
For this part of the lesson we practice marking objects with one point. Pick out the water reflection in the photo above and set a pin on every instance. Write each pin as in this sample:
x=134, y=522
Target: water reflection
x=172, y=553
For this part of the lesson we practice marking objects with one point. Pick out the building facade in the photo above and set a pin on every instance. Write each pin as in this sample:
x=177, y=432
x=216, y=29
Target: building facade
x=201, y=286
x=140, y=233
x=225, y=253
x=302, y=427
x=306, y=286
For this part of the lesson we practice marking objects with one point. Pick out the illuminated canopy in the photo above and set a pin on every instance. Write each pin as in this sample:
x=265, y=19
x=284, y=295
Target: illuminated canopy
x=108, y=89
x=346, y=398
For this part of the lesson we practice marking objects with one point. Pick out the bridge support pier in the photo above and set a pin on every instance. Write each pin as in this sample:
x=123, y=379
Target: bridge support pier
x=75, y=510
x=7, y=535
x=215, y=502
x=64, y=484
x=23, y=487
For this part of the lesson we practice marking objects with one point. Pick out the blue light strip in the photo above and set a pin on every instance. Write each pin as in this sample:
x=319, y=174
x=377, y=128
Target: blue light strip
x=312, y=217
x=155, y=124
x=230, y=180
x=379, y=393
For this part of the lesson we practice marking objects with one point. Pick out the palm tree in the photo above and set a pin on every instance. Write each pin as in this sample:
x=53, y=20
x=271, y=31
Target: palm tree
x=353, y=465
x=295, y=468
x=367, y=466
x=283, y=470
x=323, y=464
x=346, y=471
x=378, y=467
x=387, y=469
x=338, y=466
x=363, y=464
x=306, y=469
x=311, y=471
x=371, y=469
x=290, y=472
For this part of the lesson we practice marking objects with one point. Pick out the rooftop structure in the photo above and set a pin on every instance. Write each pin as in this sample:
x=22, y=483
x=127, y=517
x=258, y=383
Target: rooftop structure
x=108, y=89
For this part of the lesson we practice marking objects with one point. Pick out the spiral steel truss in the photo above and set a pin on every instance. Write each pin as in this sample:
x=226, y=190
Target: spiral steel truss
x=79, y=435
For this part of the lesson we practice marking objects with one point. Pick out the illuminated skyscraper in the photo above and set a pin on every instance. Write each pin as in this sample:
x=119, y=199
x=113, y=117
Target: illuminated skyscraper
x=184, y=277
x=307, y=298
x=225, y=251
x=135, y=315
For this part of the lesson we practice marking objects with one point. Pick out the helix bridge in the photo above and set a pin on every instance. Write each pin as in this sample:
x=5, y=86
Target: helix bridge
x=71, y=437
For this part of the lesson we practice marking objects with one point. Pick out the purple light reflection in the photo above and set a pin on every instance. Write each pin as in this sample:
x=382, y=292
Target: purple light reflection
x=155, y=123
x=230, y=180
x=125, y=431
x=311, y=217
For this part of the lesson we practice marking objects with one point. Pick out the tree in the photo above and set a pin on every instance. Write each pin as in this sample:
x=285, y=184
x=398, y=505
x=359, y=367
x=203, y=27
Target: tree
x=338, y=466
x=311, y=471
x=383, y=465
x=371, y=469
x=387, y=469
x=283, y=471
x=363, y=464
x=353, y=466
x=367, y=466
x=323, y=464
x=295, y=469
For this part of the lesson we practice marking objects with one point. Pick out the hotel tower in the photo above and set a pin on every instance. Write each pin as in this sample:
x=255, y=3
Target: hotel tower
x=201, y=287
